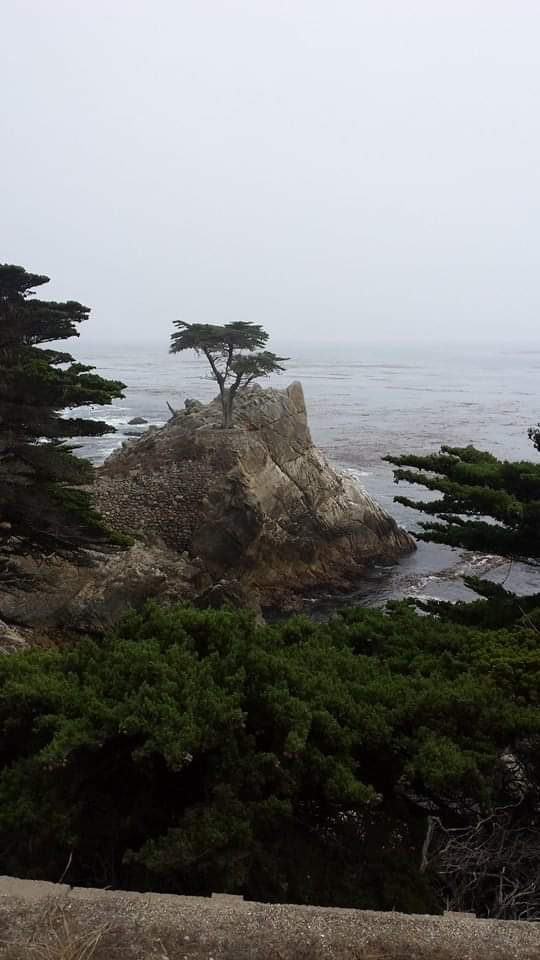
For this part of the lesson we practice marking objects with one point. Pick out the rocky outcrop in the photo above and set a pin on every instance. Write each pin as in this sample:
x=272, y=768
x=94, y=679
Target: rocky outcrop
x=258, y=504
x=253, y=515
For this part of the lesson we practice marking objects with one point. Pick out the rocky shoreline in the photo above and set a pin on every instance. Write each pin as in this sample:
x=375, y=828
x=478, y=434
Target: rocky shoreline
x=255, y=515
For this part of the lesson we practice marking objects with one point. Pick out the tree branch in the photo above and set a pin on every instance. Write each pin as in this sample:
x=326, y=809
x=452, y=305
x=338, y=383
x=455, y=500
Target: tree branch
x=217, y=373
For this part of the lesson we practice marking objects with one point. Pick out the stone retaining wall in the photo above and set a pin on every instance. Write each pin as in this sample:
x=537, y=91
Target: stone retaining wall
x=165, y=504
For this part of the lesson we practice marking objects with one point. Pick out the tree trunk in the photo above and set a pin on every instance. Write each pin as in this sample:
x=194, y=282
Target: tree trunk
x=227, y=398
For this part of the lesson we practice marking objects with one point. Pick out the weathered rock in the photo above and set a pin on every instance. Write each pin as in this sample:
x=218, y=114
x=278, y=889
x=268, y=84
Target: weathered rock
x=193, y=406
x=137, y=421
x=11, y=639
x=91, y=593
x=249, y=516
x=229, y=593
x=258, y=504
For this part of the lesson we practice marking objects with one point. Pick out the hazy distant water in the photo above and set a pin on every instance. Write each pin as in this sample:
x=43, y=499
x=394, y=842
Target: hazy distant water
x=364, y=402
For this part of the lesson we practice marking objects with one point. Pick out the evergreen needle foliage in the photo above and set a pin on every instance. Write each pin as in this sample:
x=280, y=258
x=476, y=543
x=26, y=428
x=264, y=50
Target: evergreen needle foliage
x=487, y=504
x=191, y=751
x=40, y=505
x=234, y=353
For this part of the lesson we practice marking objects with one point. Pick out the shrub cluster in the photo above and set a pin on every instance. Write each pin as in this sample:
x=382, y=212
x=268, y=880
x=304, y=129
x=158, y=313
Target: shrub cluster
x=193, y=750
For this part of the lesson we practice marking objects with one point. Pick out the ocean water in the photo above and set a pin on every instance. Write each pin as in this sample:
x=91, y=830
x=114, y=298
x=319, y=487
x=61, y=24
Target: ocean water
x=364, y=402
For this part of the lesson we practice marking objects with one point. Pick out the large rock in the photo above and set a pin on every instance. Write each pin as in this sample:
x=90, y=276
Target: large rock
x=258, y=504
x=239, y=516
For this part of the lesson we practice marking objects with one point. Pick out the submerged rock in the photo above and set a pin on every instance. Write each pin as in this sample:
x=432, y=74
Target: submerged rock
x=258, y=504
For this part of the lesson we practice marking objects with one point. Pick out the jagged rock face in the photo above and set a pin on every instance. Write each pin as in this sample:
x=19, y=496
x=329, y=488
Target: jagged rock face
x=258, y=504
x=90, y=592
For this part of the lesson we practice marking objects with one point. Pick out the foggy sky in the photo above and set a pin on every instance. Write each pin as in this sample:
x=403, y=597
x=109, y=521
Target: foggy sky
x=335, y=169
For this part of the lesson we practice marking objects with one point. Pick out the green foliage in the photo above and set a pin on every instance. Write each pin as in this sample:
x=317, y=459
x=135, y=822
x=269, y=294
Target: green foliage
x=534, y=436
x=193, y=751
x=217, y=339
x=234, y=352
x=497, y=607
x=38, y=508
x=486, y=504
x=77, y=505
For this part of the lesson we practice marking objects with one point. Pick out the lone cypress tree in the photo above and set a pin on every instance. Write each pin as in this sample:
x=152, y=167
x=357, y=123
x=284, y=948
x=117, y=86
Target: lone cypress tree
x=234, y=354
x=40, y=503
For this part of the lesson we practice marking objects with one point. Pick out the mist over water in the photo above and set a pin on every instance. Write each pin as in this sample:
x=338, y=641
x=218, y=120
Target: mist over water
x=364, y=402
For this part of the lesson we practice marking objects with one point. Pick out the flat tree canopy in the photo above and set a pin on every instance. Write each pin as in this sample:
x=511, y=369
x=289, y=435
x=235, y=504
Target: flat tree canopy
x=234, y=353
x=40, y=503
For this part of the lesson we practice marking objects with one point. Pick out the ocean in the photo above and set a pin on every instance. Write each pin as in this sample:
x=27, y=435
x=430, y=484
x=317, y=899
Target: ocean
x=363, y=402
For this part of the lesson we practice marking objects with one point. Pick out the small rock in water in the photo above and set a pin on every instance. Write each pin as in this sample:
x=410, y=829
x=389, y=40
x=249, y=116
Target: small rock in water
x=137, y=421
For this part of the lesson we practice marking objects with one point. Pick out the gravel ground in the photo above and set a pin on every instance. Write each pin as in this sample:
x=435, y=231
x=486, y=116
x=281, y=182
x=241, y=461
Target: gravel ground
x=48, y=922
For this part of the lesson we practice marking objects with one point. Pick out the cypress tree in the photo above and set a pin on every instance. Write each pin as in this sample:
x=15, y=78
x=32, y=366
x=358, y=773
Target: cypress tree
x=234, y=353
x=42, y=507
x=487, y=504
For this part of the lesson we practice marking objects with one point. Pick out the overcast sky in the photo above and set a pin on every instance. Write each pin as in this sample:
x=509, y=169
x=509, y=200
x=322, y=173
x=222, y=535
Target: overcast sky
x=348, y=169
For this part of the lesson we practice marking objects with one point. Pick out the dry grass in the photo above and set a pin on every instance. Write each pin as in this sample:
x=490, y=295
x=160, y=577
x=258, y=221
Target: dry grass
x=60, y=930
x=57, y=935
x=54, y=937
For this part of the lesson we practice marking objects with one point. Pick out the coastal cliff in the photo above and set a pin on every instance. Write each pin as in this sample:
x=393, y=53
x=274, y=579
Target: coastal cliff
x=258, y=504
